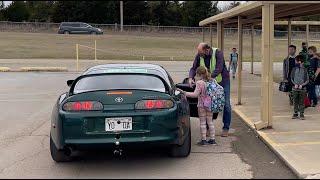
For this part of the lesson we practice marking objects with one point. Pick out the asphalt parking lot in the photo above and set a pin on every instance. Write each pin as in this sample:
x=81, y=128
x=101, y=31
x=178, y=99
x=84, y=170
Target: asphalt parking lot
x=26, y=101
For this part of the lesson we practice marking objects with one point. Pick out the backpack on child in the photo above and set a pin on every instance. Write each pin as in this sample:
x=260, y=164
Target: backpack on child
x=215, y=98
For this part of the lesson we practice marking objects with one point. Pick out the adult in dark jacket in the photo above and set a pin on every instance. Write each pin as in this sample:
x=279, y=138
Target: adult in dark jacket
x=213, y=60
x=288, y=65
x=312, y=68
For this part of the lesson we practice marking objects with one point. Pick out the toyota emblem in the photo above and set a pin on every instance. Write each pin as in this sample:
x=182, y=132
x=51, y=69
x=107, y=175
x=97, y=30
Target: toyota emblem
x=119, y=99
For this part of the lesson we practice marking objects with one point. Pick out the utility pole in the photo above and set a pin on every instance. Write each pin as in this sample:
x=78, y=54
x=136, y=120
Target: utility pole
x=121, y=15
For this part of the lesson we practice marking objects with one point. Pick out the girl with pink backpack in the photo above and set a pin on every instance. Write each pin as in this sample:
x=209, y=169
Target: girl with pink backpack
x=204, y=104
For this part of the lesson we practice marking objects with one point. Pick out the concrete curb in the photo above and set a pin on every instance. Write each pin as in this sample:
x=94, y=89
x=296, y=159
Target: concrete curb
x=45, y=69
x=268, y=142
x=4, y=69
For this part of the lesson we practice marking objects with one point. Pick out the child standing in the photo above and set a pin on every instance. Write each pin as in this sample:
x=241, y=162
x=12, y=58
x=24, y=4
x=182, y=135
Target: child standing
x=205, y=114
x=300, y=79
x=233, y=63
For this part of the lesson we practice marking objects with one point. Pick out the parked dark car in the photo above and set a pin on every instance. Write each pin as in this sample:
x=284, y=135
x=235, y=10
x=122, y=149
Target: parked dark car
x=78, y=28
x=121, y=105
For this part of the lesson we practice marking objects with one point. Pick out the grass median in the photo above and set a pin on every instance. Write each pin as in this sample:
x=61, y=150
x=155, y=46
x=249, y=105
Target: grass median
x=15, y=45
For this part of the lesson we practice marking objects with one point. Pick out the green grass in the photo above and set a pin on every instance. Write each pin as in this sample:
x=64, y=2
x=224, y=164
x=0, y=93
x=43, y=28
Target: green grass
x=15, y=45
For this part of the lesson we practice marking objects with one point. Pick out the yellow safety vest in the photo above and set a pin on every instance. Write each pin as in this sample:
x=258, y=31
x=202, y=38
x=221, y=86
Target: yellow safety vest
x=213, y=62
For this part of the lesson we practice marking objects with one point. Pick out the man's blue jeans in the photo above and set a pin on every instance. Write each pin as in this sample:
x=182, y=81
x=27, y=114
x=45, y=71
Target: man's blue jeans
x=226, y=119
x=311, y=87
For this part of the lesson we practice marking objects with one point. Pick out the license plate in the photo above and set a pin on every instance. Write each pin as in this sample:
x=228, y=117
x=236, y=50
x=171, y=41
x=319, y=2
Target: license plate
x=118, y=124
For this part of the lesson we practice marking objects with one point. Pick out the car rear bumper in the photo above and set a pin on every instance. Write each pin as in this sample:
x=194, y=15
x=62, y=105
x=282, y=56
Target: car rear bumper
x=159, y=128
x=123, y=142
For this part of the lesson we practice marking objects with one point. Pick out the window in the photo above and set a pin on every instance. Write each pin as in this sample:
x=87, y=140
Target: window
x=84, y=25
x=119, y=81
x=75, y=25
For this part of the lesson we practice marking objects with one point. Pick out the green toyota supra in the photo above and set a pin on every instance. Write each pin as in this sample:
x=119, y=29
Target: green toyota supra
x=121, y=105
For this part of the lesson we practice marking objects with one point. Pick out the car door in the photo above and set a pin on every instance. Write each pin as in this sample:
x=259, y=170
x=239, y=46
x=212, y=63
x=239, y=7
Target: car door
x=75, y=28
x=193, y=102
x=84, y=28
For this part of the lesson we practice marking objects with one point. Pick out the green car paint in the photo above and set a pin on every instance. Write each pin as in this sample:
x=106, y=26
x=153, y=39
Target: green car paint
x=89, y=127
x=82, y=129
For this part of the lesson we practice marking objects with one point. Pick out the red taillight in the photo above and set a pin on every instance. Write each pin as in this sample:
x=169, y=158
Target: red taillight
x=83, y=106
x=87, y=106
x=149, y=104
x=154, y=104
x=76, y=106
x=160, y=104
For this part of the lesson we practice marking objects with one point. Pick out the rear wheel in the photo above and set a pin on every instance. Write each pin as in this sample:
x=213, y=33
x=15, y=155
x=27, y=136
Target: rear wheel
x=182, y=150
x=59, y=155
x=66, y=32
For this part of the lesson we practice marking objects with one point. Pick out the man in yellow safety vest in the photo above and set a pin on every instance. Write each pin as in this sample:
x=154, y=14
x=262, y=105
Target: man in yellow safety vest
x=213, y=59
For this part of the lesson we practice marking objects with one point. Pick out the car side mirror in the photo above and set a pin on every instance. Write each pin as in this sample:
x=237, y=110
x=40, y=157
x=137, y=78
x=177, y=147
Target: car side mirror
x=69, y=82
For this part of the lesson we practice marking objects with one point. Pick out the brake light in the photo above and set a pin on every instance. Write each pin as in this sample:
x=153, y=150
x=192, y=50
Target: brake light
x=154, y=104
x=83, y=106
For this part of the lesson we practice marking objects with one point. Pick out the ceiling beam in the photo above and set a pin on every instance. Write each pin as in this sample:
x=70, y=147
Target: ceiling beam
x=286, y=10
x=306, y=10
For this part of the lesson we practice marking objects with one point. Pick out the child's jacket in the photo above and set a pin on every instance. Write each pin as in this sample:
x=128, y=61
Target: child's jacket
x=199, y=92
x=299, y=76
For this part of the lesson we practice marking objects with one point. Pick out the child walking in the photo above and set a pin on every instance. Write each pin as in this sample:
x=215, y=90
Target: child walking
x=233, y=63
x=205, y=114
x=300, y=79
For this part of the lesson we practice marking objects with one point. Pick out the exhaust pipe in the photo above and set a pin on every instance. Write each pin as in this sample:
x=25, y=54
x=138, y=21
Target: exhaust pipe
x=118, y=150
x=68, y=151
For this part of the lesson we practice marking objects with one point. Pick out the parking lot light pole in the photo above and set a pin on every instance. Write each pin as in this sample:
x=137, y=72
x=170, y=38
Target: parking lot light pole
x=77, y=55
x=252, y=49
x=121, y=15
x=95, y=49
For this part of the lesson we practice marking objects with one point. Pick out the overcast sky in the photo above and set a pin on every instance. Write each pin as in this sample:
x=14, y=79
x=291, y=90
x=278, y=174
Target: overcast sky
x=220, y=4
x=224, y=3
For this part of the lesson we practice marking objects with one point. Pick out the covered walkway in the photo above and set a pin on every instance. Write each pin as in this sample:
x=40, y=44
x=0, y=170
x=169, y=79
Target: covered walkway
x=296, y=142
x=264, y=13
x=257, y=99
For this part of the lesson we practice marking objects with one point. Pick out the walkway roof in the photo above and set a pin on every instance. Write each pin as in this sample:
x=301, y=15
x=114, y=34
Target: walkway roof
x=251, y=12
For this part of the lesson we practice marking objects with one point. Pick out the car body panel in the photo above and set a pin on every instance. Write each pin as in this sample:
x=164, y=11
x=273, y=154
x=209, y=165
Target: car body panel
x=85, y=129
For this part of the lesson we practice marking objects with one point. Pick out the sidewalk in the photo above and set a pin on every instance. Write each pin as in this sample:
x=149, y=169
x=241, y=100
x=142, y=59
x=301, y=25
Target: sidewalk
x=297, y=142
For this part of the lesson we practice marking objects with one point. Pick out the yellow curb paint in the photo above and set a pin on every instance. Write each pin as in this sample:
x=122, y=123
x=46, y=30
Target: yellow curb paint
x=4, y=69
x=293, y=132
x=43, y=69
x=289, y=116
x=267, y=139
x=244, y=117
x=298, y=143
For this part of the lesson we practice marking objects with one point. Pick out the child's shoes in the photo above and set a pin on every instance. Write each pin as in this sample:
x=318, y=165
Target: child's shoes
x=212, y=142
x=202, y=143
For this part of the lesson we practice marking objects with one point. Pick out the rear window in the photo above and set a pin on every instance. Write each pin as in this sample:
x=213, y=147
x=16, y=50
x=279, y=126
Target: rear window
x=121, y=81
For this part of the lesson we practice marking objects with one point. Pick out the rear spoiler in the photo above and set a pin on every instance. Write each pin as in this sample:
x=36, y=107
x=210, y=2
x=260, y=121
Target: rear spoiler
x=167, y=87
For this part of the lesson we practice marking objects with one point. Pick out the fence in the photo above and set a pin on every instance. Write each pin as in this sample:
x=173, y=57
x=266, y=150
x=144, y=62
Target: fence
x=41, y=27
x=53, y=28
x=95, y=50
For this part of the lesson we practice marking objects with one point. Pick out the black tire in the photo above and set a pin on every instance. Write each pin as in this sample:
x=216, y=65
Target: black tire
x=58, y=155
x=66, y=32
x=183, y=150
